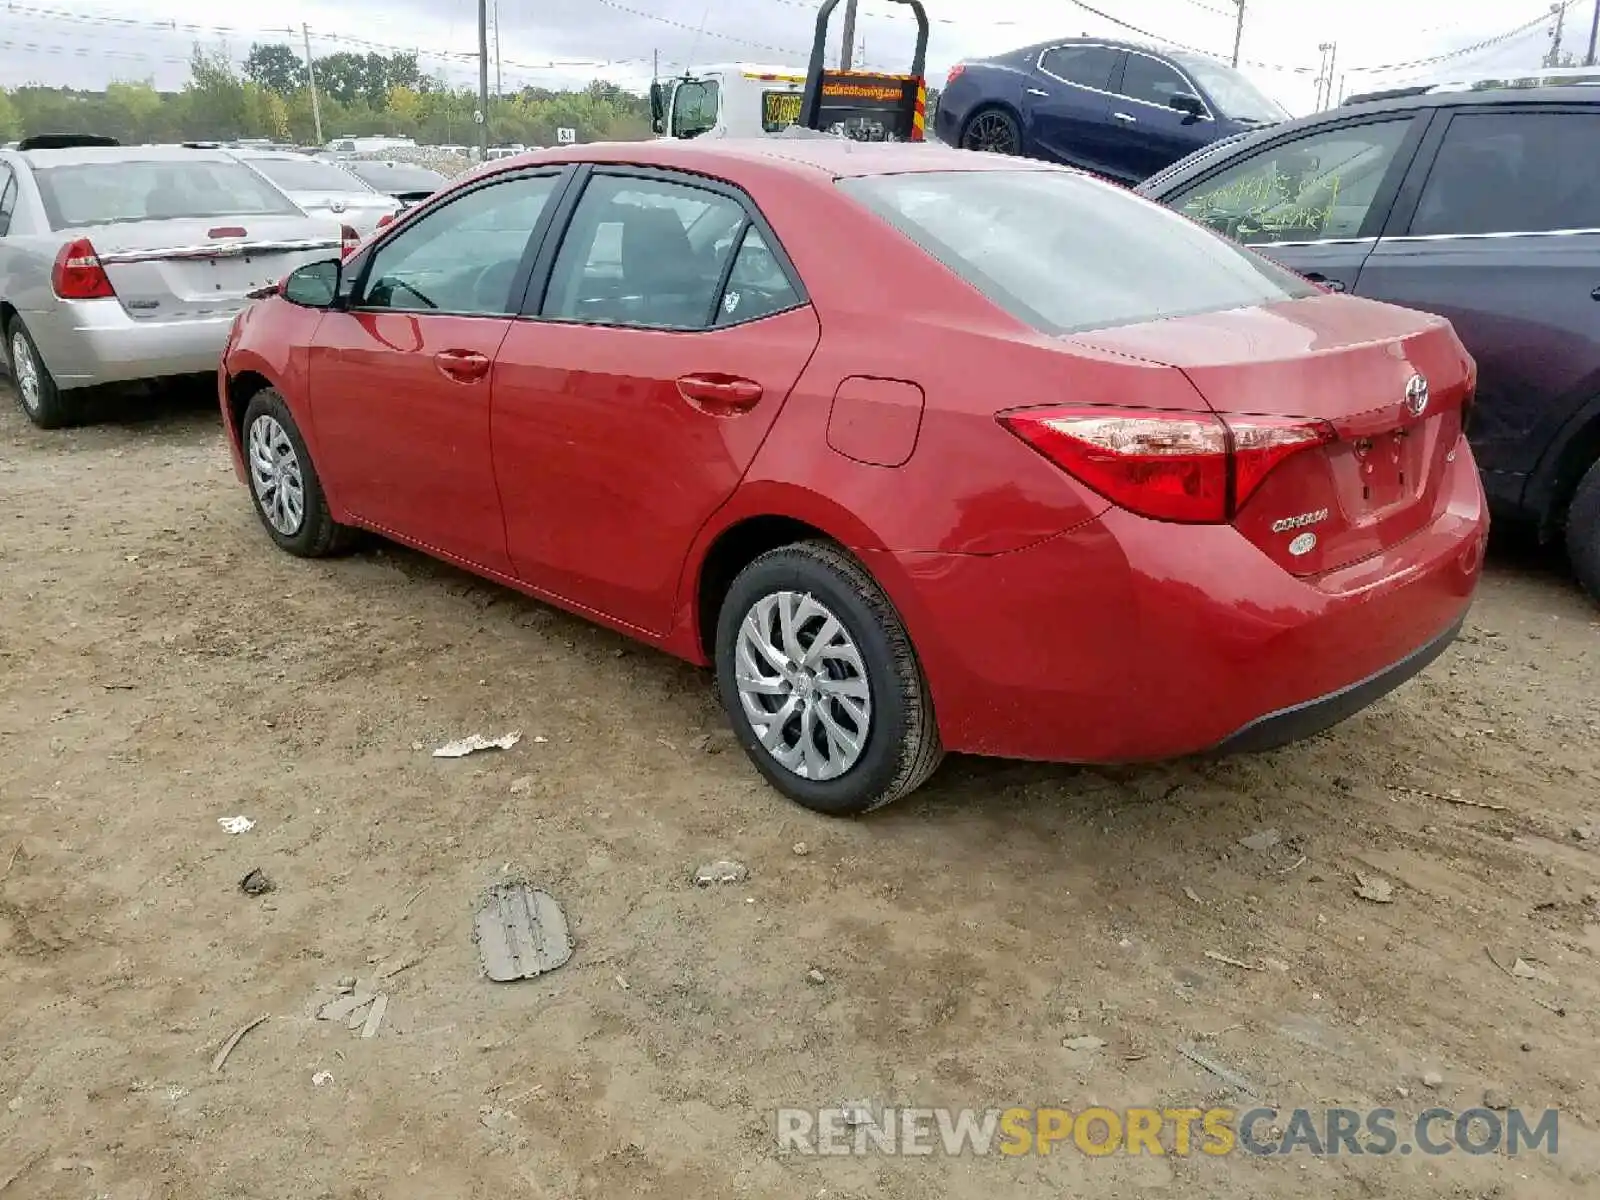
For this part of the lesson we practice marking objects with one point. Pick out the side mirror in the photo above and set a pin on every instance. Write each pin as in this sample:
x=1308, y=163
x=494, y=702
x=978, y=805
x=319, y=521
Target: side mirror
x=658, y=108
x=1187, y=103
x=315, y=285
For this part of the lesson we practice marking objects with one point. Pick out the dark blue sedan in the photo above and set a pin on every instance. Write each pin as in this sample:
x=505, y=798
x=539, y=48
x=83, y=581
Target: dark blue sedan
x=1120, y=110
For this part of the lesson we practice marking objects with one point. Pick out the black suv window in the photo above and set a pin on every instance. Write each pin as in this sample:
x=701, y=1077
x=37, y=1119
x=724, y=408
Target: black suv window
x=1313, y=188
x=1513, y=172
x=1151, y=80
x=1090, y=66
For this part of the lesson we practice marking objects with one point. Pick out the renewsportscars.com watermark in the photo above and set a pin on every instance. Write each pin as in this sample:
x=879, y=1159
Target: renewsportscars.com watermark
x=1097, y=1132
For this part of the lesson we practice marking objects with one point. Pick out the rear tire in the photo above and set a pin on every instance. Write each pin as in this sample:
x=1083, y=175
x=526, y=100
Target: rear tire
x=807, y=637
x=992, y=130
x=41, y=401
x=284, y=486
x=1583, y=532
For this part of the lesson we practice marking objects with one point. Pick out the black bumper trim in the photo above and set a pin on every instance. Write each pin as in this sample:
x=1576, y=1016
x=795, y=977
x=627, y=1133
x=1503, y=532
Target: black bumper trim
x=1301, y=721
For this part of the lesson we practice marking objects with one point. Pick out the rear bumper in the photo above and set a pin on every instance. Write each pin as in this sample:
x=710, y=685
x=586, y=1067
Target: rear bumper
x=1128, y=640
x=1300, y=721
x=90, y=342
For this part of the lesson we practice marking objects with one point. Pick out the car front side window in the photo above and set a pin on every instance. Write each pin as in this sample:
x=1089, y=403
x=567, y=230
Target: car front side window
x=1153, y=81
x=463, y=257
x=1315, y=188
x=628, y=257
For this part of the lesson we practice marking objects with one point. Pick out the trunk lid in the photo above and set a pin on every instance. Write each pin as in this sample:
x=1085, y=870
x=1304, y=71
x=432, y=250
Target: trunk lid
x=190, y=268
x=1349, y=364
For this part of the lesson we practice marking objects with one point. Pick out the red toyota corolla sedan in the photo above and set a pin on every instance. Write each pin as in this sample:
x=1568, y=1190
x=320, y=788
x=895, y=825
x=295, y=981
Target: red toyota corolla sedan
x=923, y=450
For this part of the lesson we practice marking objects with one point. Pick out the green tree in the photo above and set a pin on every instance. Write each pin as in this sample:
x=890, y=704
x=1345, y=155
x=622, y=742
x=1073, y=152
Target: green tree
x=342, y=76
x=275, y=67
x=10, y=119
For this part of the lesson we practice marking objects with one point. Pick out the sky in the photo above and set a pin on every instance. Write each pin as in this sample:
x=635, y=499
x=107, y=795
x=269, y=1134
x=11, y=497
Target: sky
x=567, y=42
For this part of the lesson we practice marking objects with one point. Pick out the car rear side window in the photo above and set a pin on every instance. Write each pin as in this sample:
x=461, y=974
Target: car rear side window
x=1314, y=188
x=1066, y=253
x=644, y=252
x=8, y=198
x=1513, y=172
x=111, y=192
x=1153, y=81
x=1088, y=66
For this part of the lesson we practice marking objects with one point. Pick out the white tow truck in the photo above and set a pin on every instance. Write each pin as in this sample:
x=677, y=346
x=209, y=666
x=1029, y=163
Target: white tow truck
x=728, y=100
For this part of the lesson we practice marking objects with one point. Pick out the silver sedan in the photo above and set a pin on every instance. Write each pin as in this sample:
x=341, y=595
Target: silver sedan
x=121, y=263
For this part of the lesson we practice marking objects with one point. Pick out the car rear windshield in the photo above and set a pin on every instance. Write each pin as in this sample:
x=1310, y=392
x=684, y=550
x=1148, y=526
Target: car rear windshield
x=1066, y=253
x=388, y=178
x=307, y=175
x=115, y=192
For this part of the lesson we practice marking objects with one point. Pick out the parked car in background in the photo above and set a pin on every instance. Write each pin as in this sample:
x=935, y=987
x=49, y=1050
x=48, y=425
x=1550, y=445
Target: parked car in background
x=1036, y=469
x=122, y=263
x=1481, y=206
x=350, y=144
x=406, y=182
x=1119, y=109
x=323, y=189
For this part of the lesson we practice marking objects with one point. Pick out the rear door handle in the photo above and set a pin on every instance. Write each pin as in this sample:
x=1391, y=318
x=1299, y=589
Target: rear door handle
x=719, y=394
x=1130, y=118
x=1333, y=285
x=1038, y=92
x=464, y=366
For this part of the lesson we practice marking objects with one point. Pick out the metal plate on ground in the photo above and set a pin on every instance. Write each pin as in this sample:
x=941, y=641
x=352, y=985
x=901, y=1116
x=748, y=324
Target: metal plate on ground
x=521, y=933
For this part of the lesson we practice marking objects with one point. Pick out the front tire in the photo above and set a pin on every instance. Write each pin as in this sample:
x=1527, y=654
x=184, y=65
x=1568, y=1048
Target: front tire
x=992, y=130
x=284, y=485
x=820, y=680
x=41, y=401
x=1583, y=532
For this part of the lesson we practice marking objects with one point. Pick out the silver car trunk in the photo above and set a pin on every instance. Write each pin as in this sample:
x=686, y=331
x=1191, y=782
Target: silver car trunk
x=204, y=267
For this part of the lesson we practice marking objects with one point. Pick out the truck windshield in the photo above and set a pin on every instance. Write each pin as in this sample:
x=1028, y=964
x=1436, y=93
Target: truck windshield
x=694, y=107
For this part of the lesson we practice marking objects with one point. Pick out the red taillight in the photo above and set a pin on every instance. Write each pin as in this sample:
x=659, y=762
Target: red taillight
x=386, y=219
x=351, y=241
x=955, y=72
x=1193, y=468
x=78, y=275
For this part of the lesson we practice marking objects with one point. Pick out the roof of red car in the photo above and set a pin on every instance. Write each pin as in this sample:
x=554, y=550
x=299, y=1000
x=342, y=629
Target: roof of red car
x=836, y=157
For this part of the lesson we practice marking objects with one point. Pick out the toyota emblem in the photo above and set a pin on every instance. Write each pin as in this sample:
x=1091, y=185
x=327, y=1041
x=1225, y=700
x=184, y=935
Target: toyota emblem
x=1417, y=396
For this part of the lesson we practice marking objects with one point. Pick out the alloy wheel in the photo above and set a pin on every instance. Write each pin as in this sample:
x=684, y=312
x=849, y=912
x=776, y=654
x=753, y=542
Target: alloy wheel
x=803, y=685
x=25, y=371
x=275, y=476
x=993, y=132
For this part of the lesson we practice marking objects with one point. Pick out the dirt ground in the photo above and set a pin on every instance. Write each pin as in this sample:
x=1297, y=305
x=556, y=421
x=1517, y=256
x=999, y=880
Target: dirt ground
x=163, y=667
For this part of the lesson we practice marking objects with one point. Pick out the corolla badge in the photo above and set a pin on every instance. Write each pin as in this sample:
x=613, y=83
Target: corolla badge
x=1300, y=522
x=1417, y=396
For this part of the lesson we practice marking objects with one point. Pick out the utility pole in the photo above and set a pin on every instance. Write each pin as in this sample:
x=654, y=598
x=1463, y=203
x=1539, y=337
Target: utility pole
x=311, y=75
x=848, y=46
x=1323, y=75
x=1333, y=58
x=498, y=89
x=1238, y=32
x=1594, y=34
x=483, y=79
x=1560, y=13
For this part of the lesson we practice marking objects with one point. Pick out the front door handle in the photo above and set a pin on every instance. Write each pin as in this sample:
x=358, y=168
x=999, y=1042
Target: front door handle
x=464, y=366
x=1128, y=117
x=1322, y=281
x=720, y=395
x=1038, y=92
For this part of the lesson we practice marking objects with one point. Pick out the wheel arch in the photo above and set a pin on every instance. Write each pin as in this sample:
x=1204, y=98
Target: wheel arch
x=761, y=517
x=1562, y=467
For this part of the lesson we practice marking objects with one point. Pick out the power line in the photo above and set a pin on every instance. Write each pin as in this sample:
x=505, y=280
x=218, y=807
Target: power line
x=1507, y=36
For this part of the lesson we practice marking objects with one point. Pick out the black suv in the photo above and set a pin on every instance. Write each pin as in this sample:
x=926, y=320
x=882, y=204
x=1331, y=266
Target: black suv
x=1480, y=205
